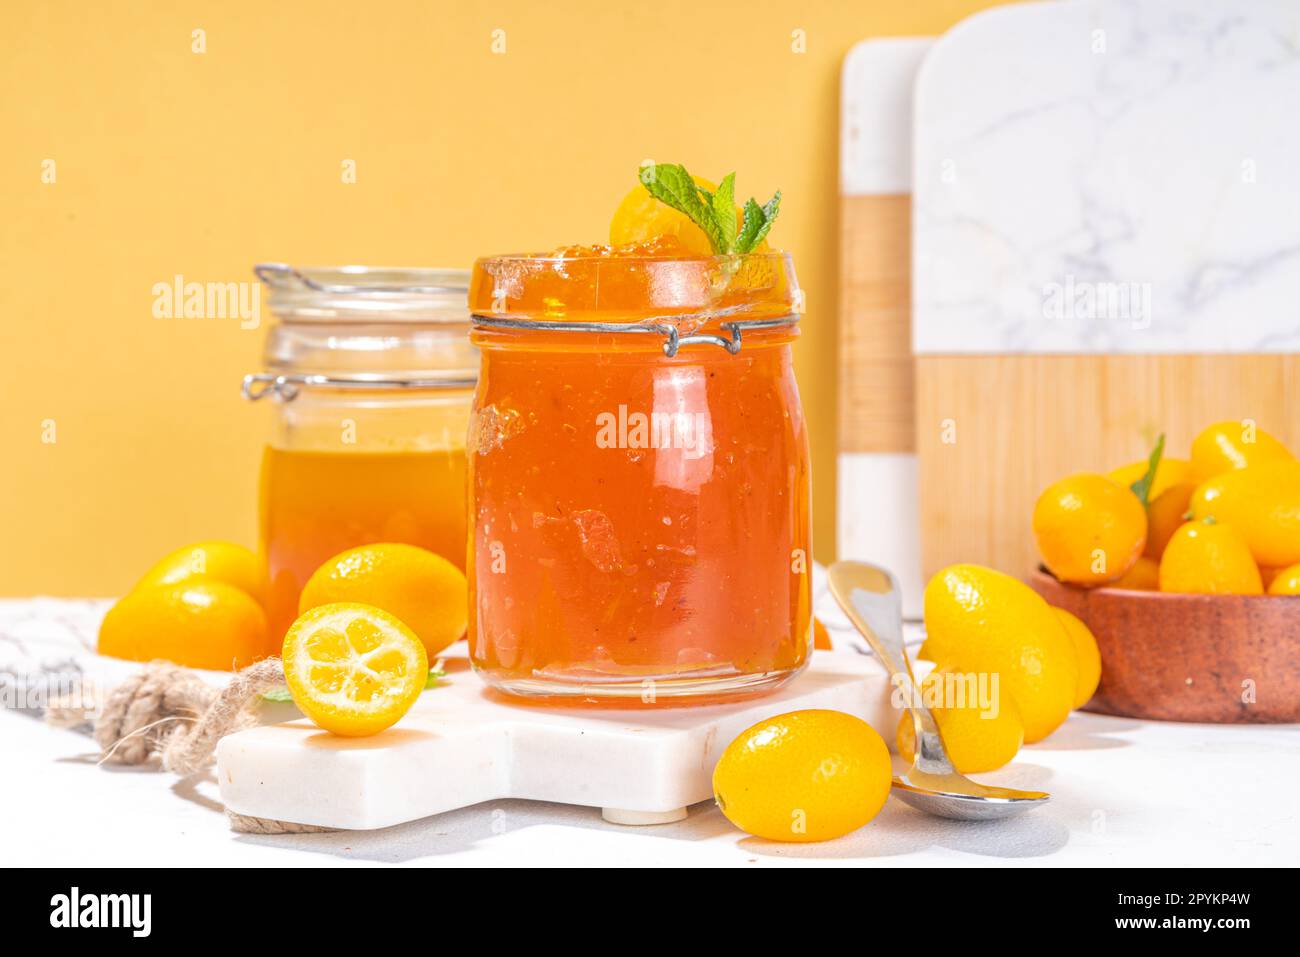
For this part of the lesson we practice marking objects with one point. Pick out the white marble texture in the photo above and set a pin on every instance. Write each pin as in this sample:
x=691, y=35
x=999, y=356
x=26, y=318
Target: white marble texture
x=876, y=84
x=1143, y=142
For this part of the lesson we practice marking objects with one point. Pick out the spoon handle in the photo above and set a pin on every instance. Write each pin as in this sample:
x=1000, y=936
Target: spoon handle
x=870, y=598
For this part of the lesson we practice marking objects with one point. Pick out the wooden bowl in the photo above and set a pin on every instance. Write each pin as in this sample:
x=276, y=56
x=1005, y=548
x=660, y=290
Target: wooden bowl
x=1227, y=659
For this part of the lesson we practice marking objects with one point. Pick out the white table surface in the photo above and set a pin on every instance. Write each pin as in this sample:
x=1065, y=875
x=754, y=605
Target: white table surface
x=1124, y=792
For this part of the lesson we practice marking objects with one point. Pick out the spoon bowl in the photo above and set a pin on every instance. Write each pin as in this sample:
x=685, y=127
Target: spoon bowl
x=870, y=598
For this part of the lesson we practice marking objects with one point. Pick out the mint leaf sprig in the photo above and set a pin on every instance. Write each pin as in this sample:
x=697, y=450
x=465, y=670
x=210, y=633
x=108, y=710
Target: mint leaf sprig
x=714, y=213
x=1142, y=487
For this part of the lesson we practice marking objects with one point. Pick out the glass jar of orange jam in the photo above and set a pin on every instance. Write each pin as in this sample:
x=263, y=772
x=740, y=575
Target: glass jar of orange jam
x=373, y=374
x=639, y=481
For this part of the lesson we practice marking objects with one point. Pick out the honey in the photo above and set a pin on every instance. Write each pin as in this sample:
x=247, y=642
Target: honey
x=317, y=504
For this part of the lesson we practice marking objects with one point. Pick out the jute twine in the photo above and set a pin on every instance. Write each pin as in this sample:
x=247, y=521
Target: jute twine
x=168, y=711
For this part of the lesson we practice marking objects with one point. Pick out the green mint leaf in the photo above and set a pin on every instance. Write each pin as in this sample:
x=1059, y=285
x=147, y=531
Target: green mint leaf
x=770, y=209
x=714, y=212
x=436, y=674
x=1142, y=487
x=673, y=186
x=278, y=695
x=724, y=211
x=757, y=222
x=753, y=222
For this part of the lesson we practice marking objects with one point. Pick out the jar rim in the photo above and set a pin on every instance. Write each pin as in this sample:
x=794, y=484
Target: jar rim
x=693, y=293
x=773, y=256
x=366, y=293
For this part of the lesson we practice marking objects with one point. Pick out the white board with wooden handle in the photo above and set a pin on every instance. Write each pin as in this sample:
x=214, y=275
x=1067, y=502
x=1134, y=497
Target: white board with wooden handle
x=877, y=507
x=1104, y=248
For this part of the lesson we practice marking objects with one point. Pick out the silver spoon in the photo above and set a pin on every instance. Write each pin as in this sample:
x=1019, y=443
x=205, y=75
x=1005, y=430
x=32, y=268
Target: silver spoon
x=870, y=597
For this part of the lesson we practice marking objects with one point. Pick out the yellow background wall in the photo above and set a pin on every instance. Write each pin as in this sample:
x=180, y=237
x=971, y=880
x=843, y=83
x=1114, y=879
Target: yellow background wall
x=168, y=161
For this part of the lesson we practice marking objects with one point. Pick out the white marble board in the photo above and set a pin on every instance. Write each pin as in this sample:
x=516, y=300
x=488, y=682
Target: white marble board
x=459, y=746
x=1149, y=143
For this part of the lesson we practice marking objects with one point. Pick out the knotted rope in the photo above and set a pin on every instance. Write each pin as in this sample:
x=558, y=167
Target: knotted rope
x=169, y=711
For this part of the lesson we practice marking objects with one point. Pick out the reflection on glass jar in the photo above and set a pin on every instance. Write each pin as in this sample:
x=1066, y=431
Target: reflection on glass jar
x=374, y=374
x=641, y=520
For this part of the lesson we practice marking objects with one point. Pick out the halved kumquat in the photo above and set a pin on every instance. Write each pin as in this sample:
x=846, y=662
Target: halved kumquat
x=353, y=669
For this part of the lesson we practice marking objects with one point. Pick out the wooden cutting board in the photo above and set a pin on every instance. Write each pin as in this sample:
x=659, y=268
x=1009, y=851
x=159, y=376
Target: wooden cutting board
x=1098, y=251
x=1021, y=422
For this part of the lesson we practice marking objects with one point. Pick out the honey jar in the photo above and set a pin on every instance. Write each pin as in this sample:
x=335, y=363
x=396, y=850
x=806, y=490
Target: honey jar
x=372, y=374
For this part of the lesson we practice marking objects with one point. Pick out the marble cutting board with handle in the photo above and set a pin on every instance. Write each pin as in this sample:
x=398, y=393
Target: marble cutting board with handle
x=462, y=745
x=1106, y=246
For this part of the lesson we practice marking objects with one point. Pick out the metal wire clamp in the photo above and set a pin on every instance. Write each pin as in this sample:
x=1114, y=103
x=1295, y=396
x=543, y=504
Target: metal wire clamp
x=655, y=325
x=260, y=385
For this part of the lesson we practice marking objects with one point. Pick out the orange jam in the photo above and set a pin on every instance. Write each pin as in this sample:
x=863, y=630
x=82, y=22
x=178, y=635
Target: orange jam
x=640, y=521
x=315, y=504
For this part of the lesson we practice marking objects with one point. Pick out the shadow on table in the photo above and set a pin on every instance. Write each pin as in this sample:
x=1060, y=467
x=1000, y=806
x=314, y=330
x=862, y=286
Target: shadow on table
x=462, y=830
x=95, y=759
x=898, y=830
x=901, y=829
x=1085, y=731
x=187, y=788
